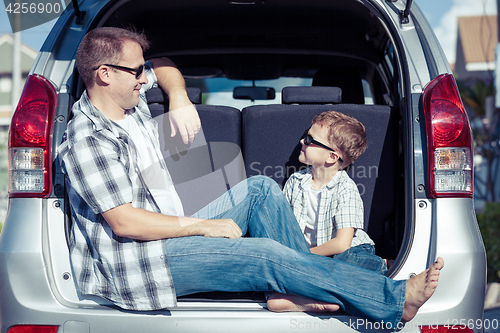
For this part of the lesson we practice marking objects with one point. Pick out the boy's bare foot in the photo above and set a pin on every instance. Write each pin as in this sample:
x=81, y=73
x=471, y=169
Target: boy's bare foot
x=420, y=288
x=291, y=303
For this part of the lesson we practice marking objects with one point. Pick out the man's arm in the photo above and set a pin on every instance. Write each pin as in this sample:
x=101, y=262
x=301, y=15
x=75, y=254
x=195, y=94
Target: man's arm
x=183, y=115
x=337, y=245
x=140, y=224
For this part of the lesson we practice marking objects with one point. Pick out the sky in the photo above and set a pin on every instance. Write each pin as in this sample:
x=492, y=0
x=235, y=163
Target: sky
x=441, y=14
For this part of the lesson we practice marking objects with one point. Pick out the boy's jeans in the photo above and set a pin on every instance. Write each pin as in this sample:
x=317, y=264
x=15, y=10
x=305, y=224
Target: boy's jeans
x=363, y=256
x=276, y=258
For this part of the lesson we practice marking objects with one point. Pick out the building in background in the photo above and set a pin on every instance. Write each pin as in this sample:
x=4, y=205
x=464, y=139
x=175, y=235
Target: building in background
x=28, y=56
x=476, y=41
x=474, y=69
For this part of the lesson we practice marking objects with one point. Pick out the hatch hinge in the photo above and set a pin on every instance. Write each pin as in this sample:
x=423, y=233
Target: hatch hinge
x=404, y=14
x=78, y=13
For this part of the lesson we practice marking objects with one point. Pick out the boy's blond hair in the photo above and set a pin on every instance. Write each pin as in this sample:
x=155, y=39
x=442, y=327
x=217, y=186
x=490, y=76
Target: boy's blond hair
x=345, y=132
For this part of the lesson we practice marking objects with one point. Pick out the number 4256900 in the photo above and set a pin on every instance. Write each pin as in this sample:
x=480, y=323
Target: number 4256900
x=33, y=8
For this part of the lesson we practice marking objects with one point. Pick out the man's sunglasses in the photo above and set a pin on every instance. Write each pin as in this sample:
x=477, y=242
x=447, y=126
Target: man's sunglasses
x=308, y=139
x=138, y=71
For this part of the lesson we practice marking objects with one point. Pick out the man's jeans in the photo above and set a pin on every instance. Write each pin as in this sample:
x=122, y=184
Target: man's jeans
x=275, y=258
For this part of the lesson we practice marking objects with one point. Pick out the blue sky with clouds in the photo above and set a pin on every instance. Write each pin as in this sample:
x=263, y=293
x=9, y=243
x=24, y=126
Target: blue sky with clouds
x=441, y=14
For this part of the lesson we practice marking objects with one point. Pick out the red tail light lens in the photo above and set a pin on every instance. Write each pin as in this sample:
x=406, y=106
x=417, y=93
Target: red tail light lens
x=449, y=140
x=32, y=329
x=30, y=137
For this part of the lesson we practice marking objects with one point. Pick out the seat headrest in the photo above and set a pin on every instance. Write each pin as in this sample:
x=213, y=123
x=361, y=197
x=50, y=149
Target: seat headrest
x=347, y=78
x=157, y=95
x=311, y=95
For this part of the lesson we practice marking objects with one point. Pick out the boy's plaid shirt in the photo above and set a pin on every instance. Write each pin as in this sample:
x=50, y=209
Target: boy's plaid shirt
x=340, y=206
x=98, y=165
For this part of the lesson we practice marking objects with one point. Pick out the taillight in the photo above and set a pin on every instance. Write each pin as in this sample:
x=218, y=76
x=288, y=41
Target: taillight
x=32, y=329
x=30, y=137
x=449, y=140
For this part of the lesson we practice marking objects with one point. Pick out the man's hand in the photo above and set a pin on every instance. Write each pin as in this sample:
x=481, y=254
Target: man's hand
x=183, y=115
x=218, y=228
x=185, y=119
x=136, y=223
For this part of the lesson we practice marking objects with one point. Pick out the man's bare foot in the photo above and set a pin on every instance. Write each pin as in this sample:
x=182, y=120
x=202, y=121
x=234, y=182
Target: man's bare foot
x=291, y=303
x=420, y=288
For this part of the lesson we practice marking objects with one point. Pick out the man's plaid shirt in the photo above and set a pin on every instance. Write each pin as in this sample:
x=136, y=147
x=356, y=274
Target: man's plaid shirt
x=99, y=164
x=340, y=205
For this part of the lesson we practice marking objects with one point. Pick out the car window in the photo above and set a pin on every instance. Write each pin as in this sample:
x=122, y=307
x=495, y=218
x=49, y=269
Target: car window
x=389, y=58
x=367, y=90
x=219, y=90
x=387, y=66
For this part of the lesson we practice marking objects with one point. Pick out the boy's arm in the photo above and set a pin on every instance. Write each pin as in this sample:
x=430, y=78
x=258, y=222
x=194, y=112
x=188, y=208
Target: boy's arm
x=348, y=217
x=336, y=245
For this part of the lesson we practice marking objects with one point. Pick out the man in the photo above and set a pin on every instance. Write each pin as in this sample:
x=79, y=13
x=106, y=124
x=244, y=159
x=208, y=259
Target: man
x=130, y=242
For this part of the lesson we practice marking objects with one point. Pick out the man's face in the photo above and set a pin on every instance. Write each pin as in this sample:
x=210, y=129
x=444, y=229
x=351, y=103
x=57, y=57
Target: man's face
x=124, y=86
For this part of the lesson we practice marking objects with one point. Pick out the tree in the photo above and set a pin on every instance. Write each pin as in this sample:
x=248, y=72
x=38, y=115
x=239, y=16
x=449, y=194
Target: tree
x=476, y=95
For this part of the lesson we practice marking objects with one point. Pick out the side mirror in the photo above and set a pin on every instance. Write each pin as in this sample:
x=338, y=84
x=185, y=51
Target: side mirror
x=254, y=93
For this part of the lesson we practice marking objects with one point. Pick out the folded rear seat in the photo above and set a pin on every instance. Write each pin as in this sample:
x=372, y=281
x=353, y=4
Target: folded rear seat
x=213, y=163
x=271, y=135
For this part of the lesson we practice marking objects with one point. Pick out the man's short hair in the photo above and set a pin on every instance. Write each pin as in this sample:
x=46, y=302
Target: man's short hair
x=345, y=132
x=104, y=46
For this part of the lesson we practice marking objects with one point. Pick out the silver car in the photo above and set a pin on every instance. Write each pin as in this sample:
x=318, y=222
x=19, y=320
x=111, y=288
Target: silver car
x=257, y=71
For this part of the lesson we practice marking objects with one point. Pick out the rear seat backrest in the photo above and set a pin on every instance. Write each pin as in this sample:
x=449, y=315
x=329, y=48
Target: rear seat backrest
x=311, y=95
x=208, y=167
x=271, y=135
x=158, y=96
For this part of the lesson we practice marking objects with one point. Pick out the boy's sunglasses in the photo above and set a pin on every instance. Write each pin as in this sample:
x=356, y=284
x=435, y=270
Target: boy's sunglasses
x=308, y=139
x=138, y=71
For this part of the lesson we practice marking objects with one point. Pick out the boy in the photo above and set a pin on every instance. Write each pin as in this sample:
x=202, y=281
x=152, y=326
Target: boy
x=327, y=203
x=325, y=200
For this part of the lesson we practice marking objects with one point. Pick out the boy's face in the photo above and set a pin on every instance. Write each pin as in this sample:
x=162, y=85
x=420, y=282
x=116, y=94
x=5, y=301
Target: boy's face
x=313, y=154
